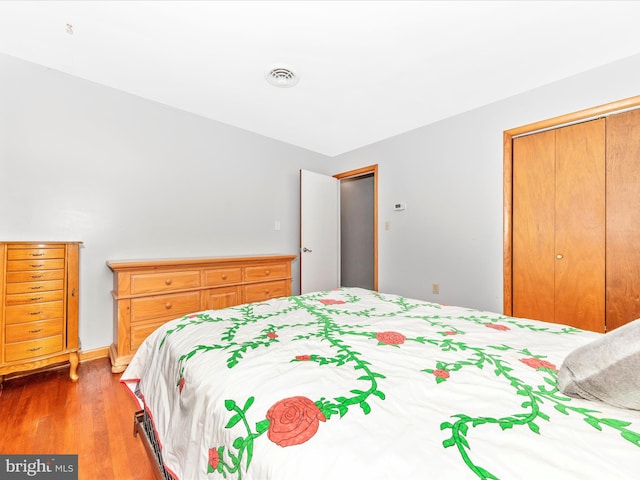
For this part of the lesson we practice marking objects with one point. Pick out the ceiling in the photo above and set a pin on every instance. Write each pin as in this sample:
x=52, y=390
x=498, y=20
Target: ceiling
x=368, y=70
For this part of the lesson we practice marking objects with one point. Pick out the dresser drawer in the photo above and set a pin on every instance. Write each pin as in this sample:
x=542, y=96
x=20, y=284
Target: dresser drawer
x=33, y=312
x=36, y=297
x=34, y=287
x=31, y=253
x=266, y=272
x=222, y=297
x=163, y=282
x=35, y=276
x=32, y=348
x=222, y=276
x=21, y=332
x=175, y=305
x=141, y=331
x=259, y=292
x=35, y=264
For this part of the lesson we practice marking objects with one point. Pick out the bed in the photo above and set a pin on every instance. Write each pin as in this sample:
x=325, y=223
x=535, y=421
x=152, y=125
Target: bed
x=356, y=384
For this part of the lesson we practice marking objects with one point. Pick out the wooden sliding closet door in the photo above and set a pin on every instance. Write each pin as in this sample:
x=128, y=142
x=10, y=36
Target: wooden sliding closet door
x=623, y=218
x=533, y=220
x=558, y=240
x=580, y=225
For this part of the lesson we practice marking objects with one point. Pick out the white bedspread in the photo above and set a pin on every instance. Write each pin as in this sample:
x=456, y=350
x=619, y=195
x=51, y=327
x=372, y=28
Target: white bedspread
x=351, y=384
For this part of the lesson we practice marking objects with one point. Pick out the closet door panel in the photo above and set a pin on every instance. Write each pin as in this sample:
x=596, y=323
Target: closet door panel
x=580, y=225
x=533, y=218
x=623, y=219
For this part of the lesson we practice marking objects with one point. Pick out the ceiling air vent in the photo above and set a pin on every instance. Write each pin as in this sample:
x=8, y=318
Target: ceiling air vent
x=281, y=76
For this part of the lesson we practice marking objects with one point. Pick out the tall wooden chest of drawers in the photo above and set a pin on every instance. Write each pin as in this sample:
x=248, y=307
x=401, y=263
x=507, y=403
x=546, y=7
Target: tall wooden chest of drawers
x=149, y=293
x=39, y=291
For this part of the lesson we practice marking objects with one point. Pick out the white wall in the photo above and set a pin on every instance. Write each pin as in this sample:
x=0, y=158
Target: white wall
x=450, y=176
x=134, y=179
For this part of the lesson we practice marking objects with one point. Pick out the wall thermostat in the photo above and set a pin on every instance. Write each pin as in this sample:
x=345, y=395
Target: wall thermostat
x=399, y=206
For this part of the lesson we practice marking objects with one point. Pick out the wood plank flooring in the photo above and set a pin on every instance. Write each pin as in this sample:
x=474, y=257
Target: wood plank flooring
x=46, y=413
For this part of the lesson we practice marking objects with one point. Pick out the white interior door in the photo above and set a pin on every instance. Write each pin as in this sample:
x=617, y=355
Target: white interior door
x=319, y=232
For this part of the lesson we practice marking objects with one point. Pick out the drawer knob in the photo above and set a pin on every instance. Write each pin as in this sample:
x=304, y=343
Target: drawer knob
x=36, y=276
x=35, y=313
x=267, y=272
x=168, y=281
x=37, y=265
x=34, y=349
x=35, y=331
x=36, y=288
x=168, y=306
x=266, y=292
x=35, y=299
x=37, y=254
x=224, y=277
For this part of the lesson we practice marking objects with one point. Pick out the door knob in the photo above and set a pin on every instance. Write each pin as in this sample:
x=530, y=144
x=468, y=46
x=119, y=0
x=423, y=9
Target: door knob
x=305, y=249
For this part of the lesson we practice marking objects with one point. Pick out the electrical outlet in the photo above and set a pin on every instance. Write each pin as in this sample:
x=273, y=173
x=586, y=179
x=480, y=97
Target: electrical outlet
x=435, y=288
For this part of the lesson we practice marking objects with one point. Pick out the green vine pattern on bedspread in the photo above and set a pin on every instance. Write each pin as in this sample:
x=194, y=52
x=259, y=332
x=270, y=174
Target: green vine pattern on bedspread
x=295, y=420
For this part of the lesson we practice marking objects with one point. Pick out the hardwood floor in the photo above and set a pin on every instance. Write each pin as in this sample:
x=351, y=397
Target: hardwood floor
x=46, y=413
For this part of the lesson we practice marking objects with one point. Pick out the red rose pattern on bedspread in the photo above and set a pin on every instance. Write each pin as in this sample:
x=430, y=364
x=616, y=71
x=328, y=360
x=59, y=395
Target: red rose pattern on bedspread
x=295, y=420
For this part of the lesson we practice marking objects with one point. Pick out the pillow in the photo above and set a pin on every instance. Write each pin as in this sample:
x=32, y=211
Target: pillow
x=607, y=369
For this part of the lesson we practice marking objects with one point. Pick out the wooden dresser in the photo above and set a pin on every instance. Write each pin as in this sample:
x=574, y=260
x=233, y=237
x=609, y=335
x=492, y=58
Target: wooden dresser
x=148, y=293
x=39, y=291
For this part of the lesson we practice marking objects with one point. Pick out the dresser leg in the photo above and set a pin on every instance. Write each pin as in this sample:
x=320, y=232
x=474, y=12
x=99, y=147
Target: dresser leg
x=73, y=360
